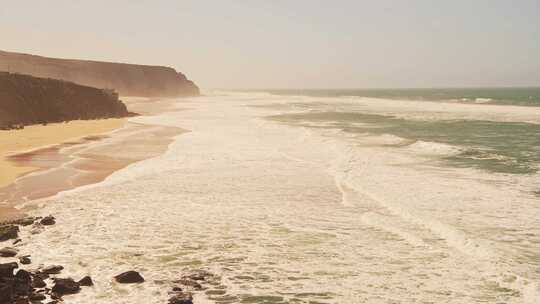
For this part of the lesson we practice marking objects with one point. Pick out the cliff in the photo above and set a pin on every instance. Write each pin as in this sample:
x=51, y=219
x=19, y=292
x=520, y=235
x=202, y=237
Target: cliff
x=26, y=100
x=126, y=79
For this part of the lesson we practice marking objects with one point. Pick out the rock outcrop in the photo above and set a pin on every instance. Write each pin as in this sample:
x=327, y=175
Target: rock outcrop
x=126, y=79
x=26, y=100
x=129, y=277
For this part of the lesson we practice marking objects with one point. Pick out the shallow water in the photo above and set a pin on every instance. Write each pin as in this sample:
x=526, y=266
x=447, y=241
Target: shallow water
x=286, y=213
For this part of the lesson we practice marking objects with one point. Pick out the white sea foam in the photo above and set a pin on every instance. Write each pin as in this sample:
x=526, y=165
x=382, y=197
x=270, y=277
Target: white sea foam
x=482, y=100
x=305, y=214
x=433, y=148
x=425, y=110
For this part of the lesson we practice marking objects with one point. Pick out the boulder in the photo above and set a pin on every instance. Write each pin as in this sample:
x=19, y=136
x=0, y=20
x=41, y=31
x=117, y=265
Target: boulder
x=6, y=294
x=25, y=260
x=36, y=297
x=6, y=269
x=23, y=275
x=22, y=283
x=8, y=232
x=41, y=275
x=8, y=252
x=86, y=281
x=181, y=298
x=38, y=282
x=65, y=286
x=53, y=269
x=129, y=277
x=48, y=220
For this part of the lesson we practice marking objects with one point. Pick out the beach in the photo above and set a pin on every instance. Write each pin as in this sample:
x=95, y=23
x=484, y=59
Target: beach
x=281, y=205
x=271, y=152
x=38, y=137
x=42, y=160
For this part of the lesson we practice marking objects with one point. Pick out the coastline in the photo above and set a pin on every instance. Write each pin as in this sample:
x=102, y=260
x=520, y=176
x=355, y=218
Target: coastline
x=268, y=218
x=40, y=161
x=37, y=138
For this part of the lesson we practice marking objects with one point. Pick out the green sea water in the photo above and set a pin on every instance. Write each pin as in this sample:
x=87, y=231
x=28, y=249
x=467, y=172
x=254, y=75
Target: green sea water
x=523, y=96
x=496, y=146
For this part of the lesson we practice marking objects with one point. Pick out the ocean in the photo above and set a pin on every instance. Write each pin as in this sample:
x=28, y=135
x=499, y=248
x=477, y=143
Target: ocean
x=522, y=96
x=509, y=146
x=349, y=196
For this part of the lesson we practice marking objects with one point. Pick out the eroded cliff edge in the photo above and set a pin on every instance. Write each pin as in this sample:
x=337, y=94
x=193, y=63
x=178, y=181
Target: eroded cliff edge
x=27, y=100
x=126, y=79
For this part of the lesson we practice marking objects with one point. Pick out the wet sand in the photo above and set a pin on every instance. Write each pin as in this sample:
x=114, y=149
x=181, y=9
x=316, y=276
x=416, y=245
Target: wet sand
x=41, y=161
x=33, y=137
x=86, y=161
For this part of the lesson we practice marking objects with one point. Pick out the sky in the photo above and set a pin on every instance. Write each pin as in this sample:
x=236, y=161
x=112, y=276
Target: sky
x=252, y=44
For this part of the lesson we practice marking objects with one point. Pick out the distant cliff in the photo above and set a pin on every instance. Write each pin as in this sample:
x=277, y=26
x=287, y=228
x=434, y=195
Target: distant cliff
x=26, y=100
x=126, y=79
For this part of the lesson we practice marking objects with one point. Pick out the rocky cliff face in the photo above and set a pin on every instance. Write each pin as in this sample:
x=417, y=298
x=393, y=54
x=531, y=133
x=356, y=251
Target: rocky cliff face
x=126, y=79
x=26, y=100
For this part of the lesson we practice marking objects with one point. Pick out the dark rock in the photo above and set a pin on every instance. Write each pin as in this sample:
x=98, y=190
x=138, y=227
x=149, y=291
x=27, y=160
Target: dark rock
x=6, y=294
x=56, y=296
x=38, y=282
x=53, y=269
x=189, y=283
x=65, y=286
x=181, y=298
x=22, y=283
x=8, y=252
x=36, y=297
x=25, y=260
x=24, y=222
x=8, y=232
x=199, y=275
x=23, y=275
x=6, y=270
x=86, y=281
x=17, y=241
x=48, y=220
x=41, y=275
x=177, y=289
x=129, y=277
x=24, y=301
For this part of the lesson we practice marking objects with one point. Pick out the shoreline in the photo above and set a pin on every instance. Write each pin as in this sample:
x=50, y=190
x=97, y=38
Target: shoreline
x=39, y=162
x=35, y=139
x=72, y=163
x=38, y=137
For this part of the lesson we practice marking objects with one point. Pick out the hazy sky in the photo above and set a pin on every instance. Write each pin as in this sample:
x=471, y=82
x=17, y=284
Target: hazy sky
x=292, y=43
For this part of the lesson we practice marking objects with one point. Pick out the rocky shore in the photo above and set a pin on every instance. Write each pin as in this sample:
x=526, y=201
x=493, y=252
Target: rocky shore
x=22, y=283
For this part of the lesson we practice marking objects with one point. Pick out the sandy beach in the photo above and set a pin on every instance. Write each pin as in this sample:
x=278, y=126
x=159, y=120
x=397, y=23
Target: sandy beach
x=38, y=137
x=42, y=160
